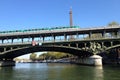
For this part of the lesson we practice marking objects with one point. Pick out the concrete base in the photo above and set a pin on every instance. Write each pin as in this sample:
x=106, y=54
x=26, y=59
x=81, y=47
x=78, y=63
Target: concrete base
x=94, y=60
x=7, y=63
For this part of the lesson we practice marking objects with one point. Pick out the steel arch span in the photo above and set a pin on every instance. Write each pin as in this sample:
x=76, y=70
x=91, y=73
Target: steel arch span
x=112, y=47
x=10, y=54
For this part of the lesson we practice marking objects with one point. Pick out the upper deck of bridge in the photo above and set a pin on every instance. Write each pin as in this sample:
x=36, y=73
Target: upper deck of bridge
x=56, y=31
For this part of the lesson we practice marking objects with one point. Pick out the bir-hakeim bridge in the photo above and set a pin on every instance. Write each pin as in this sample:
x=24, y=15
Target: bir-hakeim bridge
x=73, y=40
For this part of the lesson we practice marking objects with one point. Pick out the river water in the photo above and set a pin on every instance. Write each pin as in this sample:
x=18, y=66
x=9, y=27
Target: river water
x=52, y=71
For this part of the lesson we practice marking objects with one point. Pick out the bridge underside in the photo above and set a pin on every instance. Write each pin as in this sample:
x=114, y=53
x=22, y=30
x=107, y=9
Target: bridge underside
x=10, y=54
x=26, y=50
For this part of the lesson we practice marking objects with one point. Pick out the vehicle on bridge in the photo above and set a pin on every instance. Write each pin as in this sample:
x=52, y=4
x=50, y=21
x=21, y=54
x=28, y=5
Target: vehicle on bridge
x=34, y=43
x=40, y=29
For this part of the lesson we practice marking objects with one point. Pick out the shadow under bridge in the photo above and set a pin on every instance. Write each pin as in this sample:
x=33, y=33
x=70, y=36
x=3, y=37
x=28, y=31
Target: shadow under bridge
x=10, y=54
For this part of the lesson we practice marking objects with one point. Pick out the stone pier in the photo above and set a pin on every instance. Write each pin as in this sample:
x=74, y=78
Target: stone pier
x=118, y=56
x=94, y=60
x=7, y=63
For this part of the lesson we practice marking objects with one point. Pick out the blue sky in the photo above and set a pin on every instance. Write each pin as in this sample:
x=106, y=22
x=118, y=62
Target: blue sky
x=27, y=14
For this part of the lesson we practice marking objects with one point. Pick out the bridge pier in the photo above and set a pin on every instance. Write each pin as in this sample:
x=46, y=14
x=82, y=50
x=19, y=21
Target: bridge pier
x=94, y=60
x=4, y=63
x=118, y=56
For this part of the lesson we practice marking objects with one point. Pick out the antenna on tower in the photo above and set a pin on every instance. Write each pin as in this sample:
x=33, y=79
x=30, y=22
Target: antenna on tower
x=71, y=23
x=71, y=20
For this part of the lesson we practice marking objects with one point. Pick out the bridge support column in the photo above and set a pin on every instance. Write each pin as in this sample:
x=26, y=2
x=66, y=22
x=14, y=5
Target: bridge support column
x=118, y=56
x=22, y=40
x=95, y=60
x=90, y=33
x=43, y=38
x=65, y=37
x=4, y=63
x=118, y=33
x=12, y=41
x=2, y=41
x=54, y=37
x=103, y=34
x=4, y=49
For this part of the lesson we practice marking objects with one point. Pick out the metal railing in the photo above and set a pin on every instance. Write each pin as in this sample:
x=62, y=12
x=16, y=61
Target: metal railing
x=57, y=41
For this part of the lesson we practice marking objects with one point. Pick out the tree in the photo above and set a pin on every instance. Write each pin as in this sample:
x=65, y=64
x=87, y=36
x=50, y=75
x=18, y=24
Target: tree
x=42, y=56
x=53, y=55
x=113, y=23
x=33, y=56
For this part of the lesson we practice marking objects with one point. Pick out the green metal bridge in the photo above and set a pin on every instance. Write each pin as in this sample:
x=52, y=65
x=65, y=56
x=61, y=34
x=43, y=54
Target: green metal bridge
x=73, y=40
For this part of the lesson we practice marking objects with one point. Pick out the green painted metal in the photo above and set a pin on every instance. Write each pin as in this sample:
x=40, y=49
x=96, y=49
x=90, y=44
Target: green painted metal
x=40, y=29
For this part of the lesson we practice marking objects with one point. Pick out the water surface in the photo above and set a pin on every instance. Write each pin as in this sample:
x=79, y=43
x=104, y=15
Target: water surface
x=52, y=71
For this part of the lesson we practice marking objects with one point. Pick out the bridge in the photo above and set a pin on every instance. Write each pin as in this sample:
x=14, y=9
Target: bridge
x=82, y=42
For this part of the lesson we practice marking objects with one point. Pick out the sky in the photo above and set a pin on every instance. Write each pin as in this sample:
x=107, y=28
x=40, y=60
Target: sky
x=29, y=14
x=27, y=56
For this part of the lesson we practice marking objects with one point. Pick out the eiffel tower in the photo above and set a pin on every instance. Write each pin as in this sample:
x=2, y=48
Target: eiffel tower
x=71, y=24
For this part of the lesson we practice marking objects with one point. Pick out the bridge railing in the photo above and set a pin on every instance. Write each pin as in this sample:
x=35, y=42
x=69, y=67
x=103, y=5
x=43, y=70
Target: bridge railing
x=57, y=40
x=16, y=43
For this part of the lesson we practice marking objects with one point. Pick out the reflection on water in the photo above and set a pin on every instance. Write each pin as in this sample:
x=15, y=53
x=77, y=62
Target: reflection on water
x=43, y=71
x=98, y=73
x=6, y=73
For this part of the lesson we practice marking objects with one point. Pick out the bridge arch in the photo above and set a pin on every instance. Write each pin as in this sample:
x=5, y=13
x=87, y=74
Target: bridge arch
x=112, y=47
x=26, y=50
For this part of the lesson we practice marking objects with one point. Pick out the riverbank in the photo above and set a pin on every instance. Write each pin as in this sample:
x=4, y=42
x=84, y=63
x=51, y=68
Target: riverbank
x=65, y=60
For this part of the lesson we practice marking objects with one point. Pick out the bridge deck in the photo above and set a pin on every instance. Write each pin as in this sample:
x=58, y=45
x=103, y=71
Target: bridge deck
x=57, y=32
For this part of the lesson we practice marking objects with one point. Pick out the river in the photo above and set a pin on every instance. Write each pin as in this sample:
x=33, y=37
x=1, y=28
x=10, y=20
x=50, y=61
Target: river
x=55, y=71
